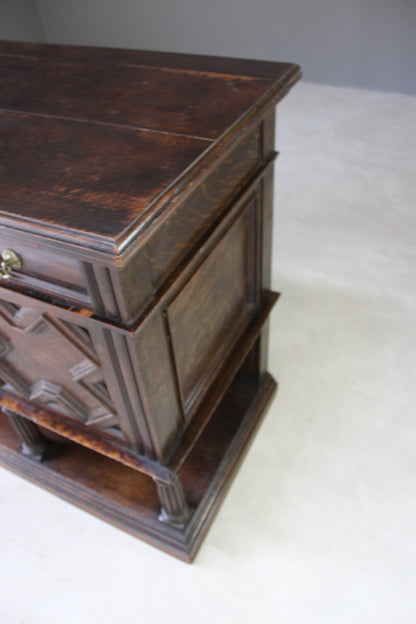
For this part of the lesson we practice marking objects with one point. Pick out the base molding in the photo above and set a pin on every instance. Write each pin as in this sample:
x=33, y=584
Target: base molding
x=128, y=499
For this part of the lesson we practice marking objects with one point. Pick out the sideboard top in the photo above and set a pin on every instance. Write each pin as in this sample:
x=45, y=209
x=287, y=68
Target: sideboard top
x=95, y=142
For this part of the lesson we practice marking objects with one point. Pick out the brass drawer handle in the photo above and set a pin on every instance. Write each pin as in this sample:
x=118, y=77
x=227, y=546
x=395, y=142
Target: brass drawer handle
x=10, y=260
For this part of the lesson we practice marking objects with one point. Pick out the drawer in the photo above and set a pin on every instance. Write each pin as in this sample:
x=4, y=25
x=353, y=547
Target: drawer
x=141, y=386
x=87, y=372
x=46, y=274
x=50, y=356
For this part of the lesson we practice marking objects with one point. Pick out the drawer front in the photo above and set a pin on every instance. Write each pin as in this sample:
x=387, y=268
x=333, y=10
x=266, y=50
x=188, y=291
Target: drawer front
x=86, y=371
x=46, y=274
x=55, y=363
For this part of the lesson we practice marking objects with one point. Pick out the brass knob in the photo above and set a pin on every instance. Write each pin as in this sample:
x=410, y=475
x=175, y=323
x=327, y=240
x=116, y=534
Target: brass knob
x=10, y=260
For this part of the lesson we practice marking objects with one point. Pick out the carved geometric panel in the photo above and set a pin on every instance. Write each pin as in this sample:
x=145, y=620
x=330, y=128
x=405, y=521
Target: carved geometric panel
x=54, y=362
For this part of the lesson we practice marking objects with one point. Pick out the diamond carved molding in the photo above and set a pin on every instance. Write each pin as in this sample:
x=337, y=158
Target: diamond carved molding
x=26, y=319
x=86, y=374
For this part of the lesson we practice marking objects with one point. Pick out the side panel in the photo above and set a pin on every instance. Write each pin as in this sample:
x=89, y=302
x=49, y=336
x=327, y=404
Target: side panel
x=151, y=358
x=176, y=237
x=211, y=310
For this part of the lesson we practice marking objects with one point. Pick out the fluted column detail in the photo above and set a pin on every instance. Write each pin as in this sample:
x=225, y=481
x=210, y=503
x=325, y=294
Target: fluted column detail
x=33, y=442
x=174, y=508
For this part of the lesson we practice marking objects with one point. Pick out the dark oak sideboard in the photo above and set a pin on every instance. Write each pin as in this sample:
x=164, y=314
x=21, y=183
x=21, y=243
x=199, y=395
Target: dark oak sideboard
x=135, y=230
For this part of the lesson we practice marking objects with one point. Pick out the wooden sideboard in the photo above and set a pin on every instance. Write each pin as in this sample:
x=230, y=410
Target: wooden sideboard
x=135, y=233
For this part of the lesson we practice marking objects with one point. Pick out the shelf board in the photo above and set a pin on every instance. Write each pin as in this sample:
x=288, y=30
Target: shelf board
x=127, y=498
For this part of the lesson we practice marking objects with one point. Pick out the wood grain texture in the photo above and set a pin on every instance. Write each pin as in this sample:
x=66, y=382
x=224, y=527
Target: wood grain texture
x=210, y=312
x=110, y=489
x=80, y=128
x=98, y=439
x=58, y=364
x=54, y=363
x=96, y=56
x=86, y=177
x=151, y=359
x=173, y=245
x=46, y=273
x=109, y=92
x=137, y=188
x=186, y=225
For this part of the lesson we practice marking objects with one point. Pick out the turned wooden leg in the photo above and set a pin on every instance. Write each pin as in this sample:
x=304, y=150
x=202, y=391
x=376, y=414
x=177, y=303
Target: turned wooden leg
x=33, y=442
x=174, y=508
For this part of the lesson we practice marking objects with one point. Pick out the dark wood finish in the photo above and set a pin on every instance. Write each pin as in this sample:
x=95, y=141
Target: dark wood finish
x=99, y=440
x=101, y=85
x=109, y=489
x=33, y=442
x=84, y=169
x=175, y=510
x=170, y=243
x=211, y=309
x=137, y=190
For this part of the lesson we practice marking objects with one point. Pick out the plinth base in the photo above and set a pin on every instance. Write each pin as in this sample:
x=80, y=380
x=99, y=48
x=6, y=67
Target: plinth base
x=128, y=499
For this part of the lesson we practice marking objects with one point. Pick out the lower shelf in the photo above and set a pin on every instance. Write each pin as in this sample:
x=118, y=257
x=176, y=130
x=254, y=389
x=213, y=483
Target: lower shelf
x=127, y=498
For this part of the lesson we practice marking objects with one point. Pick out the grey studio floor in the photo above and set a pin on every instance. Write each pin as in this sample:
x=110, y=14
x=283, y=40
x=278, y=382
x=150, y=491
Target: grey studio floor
x=320, y=524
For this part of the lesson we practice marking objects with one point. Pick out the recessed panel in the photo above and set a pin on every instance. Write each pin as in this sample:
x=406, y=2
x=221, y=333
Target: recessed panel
x=210, y=312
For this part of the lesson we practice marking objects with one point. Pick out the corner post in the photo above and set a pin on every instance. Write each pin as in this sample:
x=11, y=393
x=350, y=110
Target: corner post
x=174, y=508
x=33, y=442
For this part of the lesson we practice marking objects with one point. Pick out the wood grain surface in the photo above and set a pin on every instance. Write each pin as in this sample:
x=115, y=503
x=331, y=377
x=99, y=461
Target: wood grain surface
x=81, y=130
x=137, y=190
